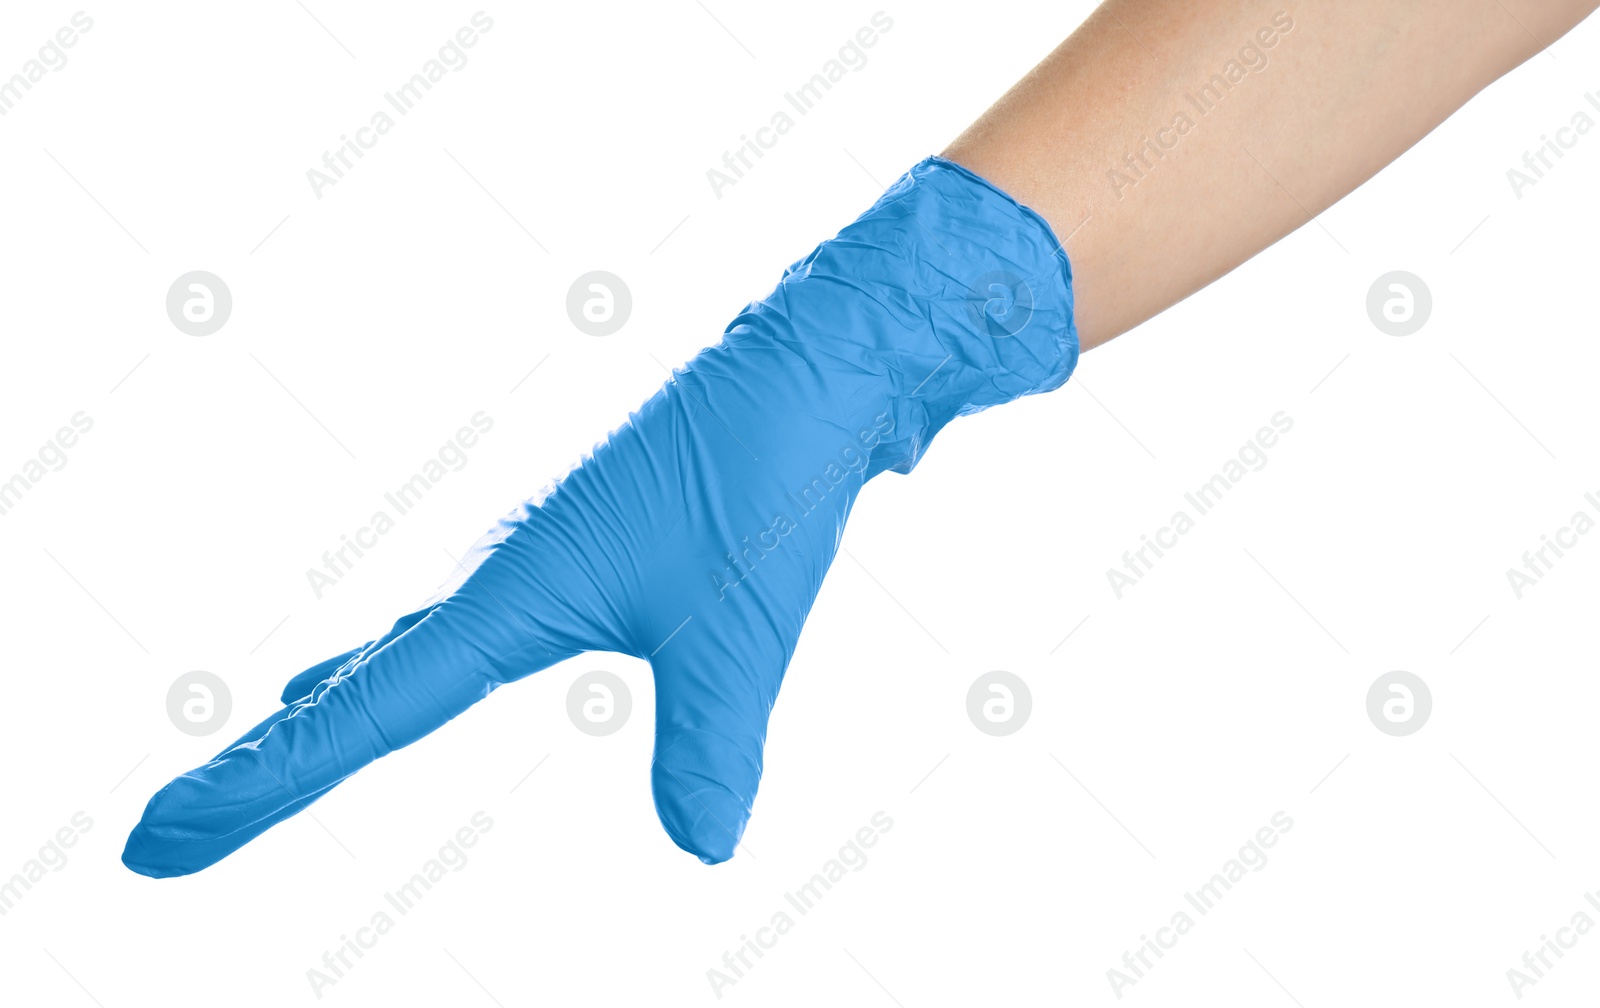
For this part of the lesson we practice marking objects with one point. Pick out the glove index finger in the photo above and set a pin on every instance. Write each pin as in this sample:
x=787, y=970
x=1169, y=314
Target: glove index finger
x=357, y=707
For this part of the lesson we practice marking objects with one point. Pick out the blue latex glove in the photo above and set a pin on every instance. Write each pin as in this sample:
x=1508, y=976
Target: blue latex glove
x=721, y=502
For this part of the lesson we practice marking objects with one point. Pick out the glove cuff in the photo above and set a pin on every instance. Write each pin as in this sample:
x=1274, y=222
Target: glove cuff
x=1014, y=282
x=961, y=299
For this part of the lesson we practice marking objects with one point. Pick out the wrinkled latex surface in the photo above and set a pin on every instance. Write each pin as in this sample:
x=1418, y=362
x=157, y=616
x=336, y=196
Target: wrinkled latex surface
x=697, y=535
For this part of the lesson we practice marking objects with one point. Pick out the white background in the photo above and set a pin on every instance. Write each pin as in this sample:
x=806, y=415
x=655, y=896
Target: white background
x=1171, y=725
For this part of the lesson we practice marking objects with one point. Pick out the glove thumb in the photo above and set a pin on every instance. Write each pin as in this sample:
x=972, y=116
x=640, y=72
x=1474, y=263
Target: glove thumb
x=714, y=693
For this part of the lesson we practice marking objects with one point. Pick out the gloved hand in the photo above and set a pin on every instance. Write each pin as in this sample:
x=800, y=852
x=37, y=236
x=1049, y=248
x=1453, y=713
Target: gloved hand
x=697, y=536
